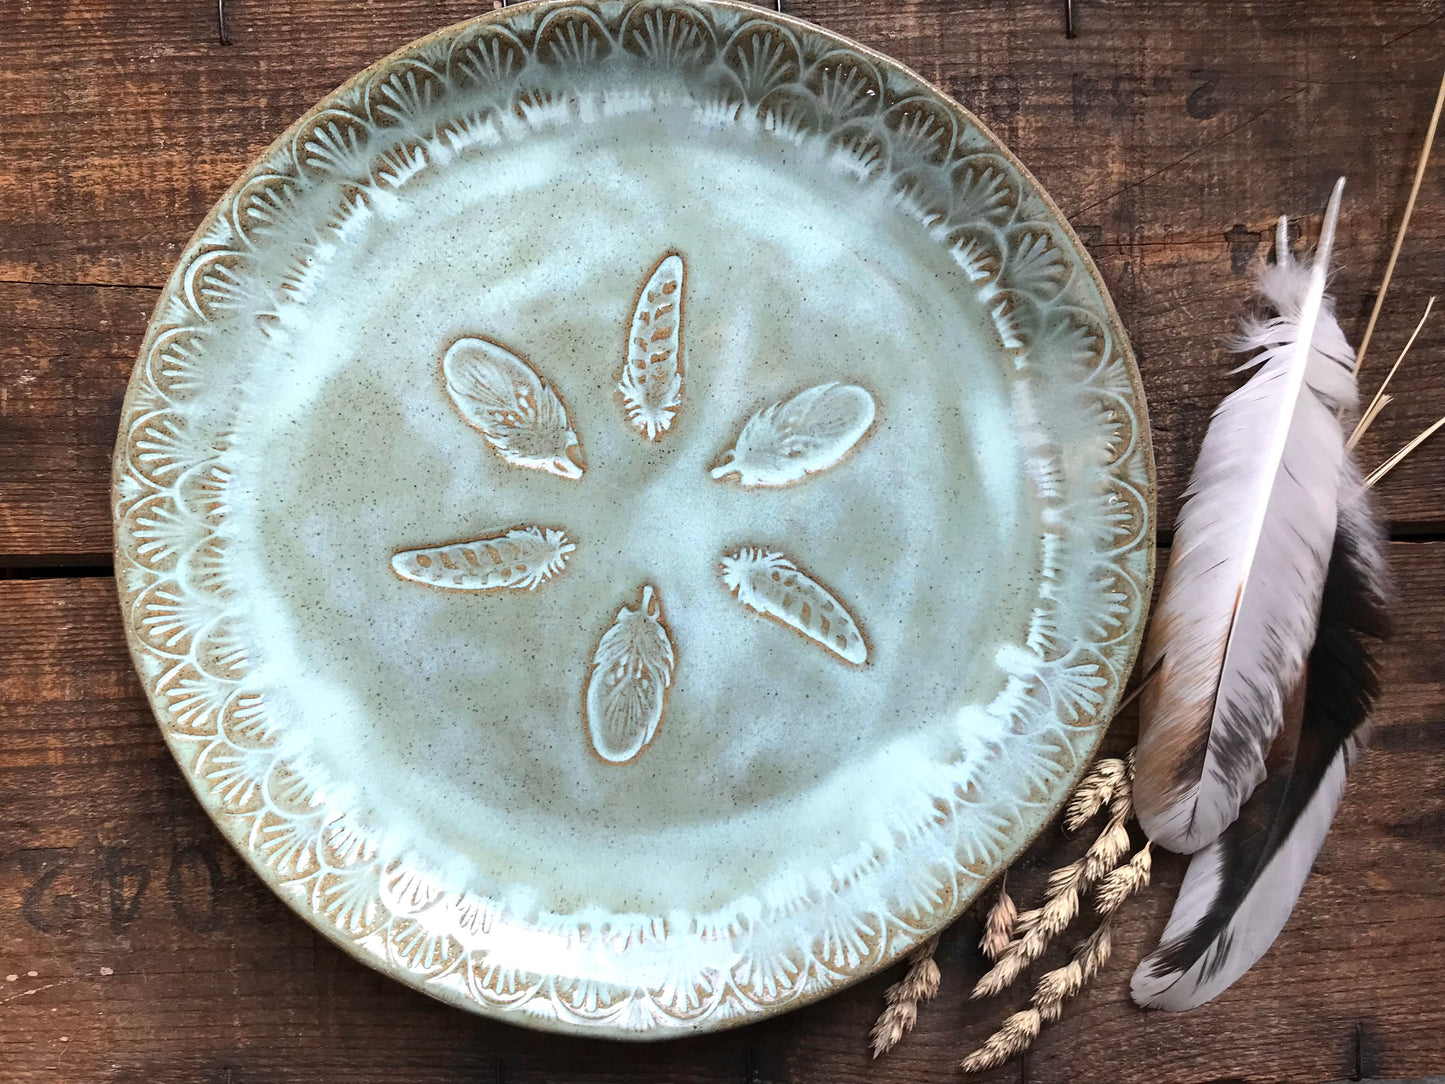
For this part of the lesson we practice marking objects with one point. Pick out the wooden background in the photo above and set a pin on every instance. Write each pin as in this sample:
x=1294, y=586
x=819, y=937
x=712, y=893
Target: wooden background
x=135, y=946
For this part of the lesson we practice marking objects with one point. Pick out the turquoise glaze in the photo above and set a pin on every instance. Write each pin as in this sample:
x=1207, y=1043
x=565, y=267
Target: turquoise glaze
x=630, y=515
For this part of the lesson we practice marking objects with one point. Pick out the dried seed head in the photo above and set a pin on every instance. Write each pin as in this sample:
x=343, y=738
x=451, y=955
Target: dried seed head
x=1093, y=952
x=895, y=1022
x=998, y=928
x=1055, y=986
x=1066, y=878
x=1018, y=1031
x=1106, y=852
x=919, y=984
x=1003, y=974
x=1027, y=920
x=1124, y=882
x=1094, y=792
x=1058, y=913
x=926, y=980
x=1121, y=802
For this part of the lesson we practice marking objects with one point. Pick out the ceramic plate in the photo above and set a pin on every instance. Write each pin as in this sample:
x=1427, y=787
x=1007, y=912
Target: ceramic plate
x=630, y=515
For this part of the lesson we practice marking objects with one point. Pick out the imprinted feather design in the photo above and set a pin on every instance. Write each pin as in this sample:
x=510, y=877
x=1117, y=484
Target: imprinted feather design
x=522, y=418
x=773, y=586
x=1240, y=890
x=631, y=671
x=522, y=558
x=803, y=435
x=651, y=383
x=1238, y=607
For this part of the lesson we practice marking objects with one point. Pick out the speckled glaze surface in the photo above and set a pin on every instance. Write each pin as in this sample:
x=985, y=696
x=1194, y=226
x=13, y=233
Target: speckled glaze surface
x=629, y=515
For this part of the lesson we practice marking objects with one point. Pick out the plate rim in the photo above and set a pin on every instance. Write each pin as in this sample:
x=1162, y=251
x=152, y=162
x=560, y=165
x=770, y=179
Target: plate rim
x=1101, y=718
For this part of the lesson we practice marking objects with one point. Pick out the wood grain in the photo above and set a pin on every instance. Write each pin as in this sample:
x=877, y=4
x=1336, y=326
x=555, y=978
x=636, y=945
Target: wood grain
x=1170, y=133
x=158, y=956
x=66, y=353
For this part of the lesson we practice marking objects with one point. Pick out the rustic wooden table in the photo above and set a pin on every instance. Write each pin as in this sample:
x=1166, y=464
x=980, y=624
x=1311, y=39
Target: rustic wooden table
x=135, y=946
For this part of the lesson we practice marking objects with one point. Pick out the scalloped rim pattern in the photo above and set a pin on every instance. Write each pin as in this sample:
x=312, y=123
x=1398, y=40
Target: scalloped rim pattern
x=789, y=80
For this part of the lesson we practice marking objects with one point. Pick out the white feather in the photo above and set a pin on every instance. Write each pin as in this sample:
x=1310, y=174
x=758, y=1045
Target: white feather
x=1240, y=890
x=1239, y=603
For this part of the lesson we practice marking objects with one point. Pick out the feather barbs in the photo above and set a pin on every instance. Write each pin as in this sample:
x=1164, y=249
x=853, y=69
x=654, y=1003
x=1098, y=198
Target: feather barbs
x=652, y=373
x=804, y=435
x=1240, y=598
x=521, y=416
x=1239, y=891
x=631, y=671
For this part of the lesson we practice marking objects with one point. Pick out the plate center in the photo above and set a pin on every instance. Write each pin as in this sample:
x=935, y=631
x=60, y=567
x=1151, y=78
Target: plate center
x=458, y=720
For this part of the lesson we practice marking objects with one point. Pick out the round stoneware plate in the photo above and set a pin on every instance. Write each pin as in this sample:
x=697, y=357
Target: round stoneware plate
x=629, y=515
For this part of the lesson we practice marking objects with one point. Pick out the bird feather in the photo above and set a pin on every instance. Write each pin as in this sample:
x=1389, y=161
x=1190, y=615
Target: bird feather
x=1239, y=891
x=1240, y=599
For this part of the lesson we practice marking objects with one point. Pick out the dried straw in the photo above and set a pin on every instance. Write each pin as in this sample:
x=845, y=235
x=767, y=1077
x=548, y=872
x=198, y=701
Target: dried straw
x=1399, y=457
x=1404, y=226
x=1381, y=400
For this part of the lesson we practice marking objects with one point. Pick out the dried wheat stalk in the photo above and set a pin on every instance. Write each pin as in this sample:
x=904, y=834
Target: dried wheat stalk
x=1018, y=1031
x=1057, y=986
x=1104, y=865
x=1062, y=983
x=918, y=985
x=1014, y=939
x=998, y=928
x=1420, y=165
x=1094, y=792
x=1108, y=784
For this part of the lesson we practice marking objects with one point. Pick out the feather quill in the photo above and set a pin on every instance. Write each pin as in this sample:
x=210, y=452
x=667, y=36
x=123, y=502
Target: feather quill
x=1240, y=601
x=1240, y=890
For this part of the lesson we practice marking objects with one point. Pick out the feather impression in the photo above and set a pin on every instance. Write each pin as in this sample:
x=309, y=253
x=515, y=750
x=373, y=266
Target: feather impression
x=1240, y=601
x=803, y=435
x=651, y=381
x=631, y=671
x=1240, y=889
x=522, y=418
x=522, y=558
x=769, y=583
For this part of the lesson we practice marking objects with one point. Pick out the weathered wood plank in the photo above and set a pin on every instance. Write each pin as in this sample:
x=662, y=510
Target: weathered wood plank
x=65, y=355
x=158, y=956
x=1169, y=132
x=1169, y=146
x=1161, y=121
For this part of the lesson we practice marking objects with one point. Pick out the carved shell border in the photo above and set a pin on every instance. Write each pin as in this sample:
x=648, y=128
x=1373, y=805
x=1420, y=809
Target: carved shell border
x=950, y=174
